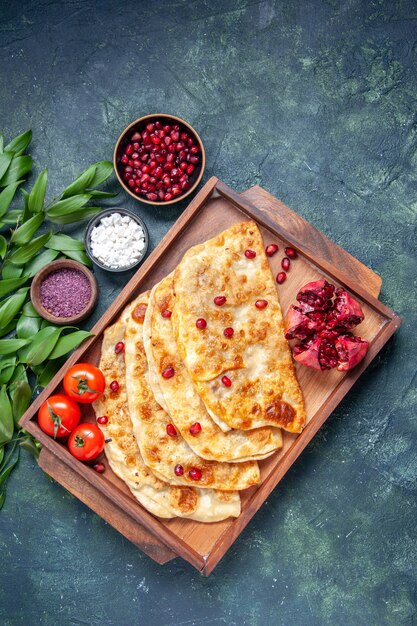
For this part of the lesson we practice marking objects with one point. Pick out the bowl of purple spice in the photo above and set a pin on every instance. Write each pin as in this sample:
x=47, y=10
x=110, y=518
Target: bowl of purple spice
x=64, y=292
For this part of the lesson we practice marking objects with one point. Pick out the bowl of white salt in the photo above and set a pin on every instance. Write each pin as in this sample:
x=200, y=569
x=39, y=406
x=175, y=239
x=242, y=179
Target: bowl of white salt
x=116, y=240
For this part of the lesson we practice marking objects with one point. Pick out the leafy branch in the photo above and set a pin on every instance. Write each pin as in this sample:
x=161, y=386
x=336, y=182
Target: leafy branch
x=31, y=349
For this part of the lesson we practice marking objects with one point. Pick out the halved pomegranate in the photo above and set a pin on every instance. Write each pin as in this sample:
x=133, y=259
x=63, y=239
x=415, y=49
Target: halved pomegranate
x=300, y=325
x=319, y=352
x=351, y=350
x=346, y=312
x=317, y=294
x=323, y=327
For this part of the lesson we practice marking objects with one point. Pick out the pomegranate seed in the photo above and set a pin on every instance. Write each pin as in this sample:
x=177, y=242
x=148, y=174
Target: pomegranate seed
x=175, y=135
x=125, y=159
x=155, y=140
x=103, y=419
x=194, y=160
x=195, y=473
x=167, y=141
x=145, y=168
x=171, y=430
x=150, y=128
x=99, y=467
x=201, y=323
x=183, y=166
x=158, y=125
x=189, y=168
x=250, y=254
x=194, y=149
x=119, y=347
x=271, y=249
x=129, y=149
x=152, y=197
x=185, y=185
x=281, y=277
x=168, y=372
x=226, y=381
x=290, y=252
x=135, y=155
x=195, y=428
x=228, y=332
x=178, y=470
x=261, y=304
x=167, y=313
x=114, y=386
x=180, y=146
x=219, y=300
x=161, y=195
x=168, y=197
x=285, y=263
x=131, y=182
x=176, y=191
x=167, y=128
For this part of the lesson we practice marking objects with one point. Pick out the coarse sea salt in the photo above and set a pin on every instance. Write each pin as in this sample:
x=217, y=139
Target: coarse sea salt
x=117, y=241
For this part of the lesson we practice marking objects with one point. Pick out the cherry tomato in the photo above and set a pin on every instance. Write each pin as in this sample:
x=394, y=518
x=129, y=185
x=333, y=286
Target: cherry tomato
x=84, y=383
x=58, y=416
x=86, y=442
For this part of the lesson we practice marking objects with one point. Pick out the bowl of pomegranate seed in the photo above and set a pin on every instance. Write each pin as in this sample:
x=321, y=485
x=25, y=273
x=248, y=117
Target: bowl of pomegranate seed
x=159, y=159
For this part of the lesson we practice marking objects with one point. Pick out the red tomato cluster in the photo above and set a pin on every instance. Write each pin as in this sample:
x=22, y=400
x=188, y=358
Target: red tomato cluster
x=59, y=415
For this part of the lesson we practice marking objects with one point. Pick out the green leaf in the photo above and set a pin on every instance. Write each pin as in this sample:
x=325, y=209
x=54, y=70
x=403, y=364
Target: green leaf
x=20, y=143
x=3, y=246
x=76, y=216
x=66, y=343
x=7, y=195
x=27, y=326
x=6, y=286
x=29, y=310
x=37, y=195
x=39, y=261
x=19, y=375
x=30, y=446
x=63, y=207
x=13, y=216
x=7, y=346
x=26, y=212
x=42, y=345
x=11, y=306
x=5, y=160
x=1, y=453
x=6, y=417
x=46, y=374
x=80, y=183
x=9, y=270
x=19, y=166
x=63, y=243
x=103, y=169
x=21, y=400
x=6, y=473
x=8, y=329
x=25, y=254
x=7, y=368
x=101, y=194
x=25, y=232
x=78, y=255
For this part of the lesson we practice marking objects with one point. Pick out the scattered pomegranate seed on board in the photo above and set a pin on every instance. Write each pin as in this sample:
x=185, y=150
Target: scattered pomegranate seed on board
x=281, y=277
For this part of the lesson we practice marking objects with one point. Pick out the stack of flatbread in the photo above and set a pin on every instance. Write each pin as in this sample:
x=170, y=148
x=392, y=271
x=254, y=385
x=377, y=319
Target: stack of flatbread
x=198, y=407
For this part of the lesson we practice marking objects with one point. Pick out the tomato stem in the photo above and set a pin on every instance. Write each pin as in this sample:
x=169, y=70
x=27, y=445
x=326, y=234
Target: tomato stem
x=56, y=420
x=82, y=386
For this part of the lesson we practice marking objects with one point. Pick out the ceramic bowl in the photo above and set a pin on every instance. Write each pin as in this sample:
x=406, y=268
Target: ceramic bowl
x=139, y=125
x=53, y=267
x=96, y=220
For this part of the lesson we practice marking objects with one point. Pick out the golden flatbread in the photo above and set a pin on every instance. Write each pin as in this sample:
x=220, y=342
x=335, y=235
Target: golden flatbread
x=240, y=341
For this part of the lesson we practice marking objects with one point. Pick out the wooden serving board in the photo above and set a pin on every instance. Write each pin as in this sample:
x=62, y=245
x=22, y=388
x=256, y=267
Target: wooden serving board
x=215, y=208
x=97, y=501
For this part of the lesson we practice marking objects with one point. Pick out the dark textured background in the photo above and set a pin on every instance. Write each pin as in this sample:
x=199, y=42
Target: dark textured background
x=315, y=101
